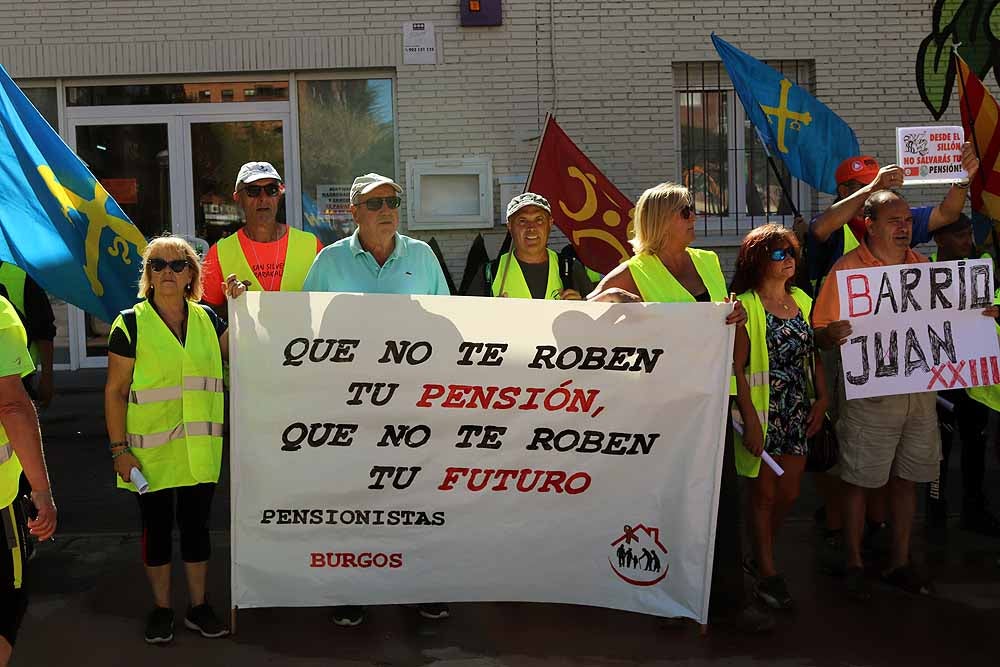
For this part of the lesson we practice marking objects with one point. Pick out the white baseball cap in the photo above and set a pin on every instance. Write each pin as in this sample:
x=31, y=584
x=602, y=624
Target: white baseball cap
x=255, y=171
x=364, y=184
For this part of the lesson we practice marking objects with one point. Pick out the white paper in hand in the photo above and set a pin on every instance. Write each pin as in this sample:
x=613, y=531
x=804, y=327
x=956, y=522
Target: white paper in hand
x=141, y=485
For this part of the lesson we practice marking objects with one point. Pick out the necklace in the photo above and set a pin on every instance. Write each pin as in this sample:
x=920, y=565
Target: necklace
x=274, y=274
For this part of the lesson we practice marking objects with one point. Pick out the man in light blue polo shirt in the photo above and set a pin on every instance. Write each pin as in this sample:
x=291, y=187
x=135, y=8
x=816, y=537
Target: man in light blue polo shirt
x=376, y=258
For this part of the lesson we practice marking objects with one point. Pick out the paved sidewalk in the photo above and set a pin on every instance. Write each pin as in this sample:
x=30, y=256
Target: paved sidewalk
x=89, y=599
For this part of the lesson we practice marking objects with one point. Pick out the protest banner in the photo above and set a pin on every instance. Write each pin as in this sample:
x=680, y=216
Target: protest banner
x=930, y=155
x=918, y=327
x=398, y=449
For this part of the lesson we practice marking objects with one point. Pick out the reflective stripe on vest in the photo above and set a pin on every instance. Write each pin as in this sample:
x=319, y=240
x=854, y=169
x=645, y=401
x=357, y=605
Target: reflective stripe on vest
x=151, y=440
x=758, y=370
x=13, y=278
x=175, y=410
x=10, y=466
x=509, y=275
x=299, y=255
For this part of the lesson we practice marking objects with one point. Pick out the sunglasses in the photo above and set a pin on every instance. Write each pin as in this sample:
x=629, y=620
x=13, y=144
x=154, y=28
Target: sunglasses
x=688, y=211
x=176, y=265
x=272, y=190
x=781, y=254
x=375, y=203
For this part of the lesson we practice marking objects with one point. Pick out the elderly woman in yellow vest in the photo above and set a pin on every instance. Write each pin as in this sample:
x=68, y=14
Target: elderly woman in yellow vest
x=20, y=445
x=164, y=410
x=772, y=358
x=666, y=269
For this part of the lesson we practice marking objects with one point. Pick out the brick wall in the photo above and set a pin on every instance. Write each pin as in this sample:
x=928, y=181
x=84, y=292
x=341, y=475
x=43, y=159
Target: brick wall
x=610, y=81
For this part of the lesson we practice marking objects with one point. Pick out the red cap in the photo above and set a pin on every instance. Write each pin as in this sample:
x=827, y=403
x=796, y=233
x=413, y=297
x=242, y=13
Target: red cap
x=862, y=169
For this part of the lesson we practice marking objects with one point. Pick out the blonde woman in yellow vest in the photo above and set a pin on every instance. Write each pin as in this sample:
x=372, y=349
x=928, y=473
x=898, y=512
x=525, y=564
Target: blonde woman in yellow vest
x=164, y=410
x=20, y=446
x=772, y=357
x=666, y=269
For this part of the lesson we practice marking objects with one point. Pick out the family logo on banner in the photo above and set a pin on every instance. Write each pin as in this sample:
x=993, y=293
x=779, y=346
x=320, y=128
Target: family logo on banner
x=930, y=154
x=398, y=449
x=918, y=327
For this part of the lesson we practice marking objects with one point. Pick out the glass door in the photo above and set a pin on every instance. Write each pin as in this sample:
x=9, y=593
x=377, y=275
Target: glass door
x=134, y=161
x=216, y=147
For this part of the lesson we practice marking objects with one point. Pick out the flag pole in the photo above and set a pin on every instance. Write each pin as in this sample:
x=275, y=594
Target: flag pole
x=774, y=167
x=975, y=142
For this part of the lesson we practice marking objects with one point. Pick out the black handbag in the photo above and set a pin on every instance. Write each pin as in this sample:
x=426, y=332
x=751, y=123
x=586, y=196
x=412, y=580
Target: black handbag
x=824, y=450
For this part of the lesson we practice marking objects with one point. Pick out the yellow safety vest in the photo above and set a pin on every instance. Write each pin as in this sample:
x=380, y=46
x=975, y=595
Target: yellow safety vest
x=175, y=409
x=514, y=284
x=13, y=277
x=10, y=466
x=850, y=240
x=299, y=256
x=657, y=284
x=758, y=370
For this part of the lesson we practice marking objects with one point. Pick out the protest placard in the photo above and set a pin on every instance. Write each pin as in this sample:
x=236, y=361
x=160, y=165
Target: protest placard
x=918, y=327
x=930, y=154
x=398, y=449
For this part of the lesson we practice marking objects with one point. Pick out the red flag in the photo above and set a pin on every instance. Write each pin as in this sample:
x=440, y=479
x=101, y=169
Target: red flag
x=980, y=114
x=590, y=211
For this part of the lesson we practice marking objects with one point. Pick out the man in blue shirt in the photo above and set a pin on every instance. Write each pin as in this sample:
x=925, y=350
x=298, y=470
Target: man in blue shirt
x=838, y=229
x=376, y=259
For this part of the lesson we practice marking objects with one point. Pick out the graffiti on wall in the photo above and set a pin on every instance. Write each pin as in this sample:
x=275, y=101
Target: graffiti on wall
x=975, y=26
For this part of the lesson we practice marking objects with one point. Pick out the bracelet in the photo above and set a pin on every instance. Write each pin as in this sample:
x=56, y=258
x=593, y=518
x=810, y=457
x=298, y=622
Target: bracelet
x=120, y=443
x=124, y=451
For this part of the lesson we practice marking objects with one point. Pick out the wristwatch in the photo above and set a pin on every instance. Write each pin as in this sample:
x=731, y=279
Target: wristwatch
x=964, y=183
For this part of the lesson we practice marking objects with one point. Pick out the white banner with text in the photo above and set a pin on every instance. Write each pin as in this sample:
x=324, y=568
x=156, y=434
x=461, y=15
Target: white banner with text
x=918, y=327
x=403, y=449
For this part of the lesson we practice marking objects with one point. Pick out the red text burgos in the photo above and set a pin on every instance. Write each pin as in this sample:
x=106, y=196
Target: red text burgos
x=362, y=560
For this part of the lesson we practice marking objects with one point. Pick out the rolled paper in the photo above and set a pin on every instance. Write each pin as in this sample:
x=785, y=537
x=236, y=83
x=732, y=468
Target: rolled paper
x=141, y=485
x=945, y=403
x=772, y=464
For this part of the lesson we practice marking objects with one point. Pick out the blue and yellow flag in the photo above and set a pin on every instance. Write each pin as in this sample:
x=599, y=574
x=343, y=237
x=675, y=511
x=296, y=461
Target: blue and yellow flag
x=56, y=221
x=791, y=123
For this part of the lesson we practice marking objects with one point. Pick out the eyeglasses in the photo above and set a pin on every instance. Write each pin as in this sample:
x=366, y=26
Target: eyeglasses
x=272, y=190
x=688, y=211
x=375, y=203
x=176, y=265
x=781, y=254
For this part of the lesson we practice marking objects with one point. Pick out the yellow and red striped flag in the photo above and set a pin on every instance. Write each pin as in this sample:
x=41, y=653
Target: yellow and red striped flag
x=980, y=115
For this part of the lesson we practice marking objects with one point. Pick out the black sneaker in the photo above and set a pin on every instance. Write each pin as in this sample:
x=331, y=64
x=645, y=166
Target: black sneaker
x=980, y=520
x=773, y=592
x=831, y=554
x=434, y=611
x=907, y=579
x=202, y=619
x=348, y=616
x=160, y=626
x=856, y=584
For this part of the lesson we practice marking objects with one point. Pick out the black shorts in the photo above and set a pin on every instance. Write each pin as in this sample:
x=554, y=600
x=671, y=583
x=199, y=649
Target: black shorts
x=13, y=601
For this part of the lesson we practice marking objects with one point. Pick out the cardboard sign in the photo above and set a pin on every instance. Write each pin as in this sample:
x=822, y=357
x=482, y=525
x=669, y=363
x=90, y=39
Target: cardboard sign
x=930, y=154
x=918, y=327
x=397, y=449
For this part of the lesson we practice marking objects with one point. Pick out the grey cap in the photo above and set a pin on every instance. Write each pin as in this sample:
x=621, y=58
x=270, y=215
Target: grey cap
x=364, y=184
x=527, y=199
x=255, y=171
